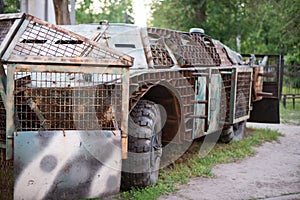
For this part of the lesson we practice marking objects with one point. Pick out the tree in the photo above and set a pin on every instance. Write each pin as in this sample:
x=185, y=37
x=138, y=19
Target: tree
x=264, y=26
x=180, y=15
x=118, y=11
x=1, y=6
x=9, y=6
x=62, y=13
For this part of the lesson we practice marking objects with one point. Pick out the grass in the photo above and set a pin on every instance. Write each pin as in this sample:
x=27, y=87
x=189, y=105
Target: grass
x=6, y=180
x=289, y=115
x=196, y=166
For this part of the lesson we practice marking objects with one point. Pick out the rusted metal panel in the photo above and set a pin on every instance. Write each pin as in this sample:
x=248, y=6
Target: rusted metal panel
x=184, y=49
x=225, y=61
x=83, y=61
x=237, y=86
x=38, y=38
x=267, y=109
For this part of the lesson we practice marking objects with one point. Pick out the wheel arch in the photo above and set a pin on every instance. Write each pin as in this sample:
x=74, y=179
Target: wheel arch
x=164, y=94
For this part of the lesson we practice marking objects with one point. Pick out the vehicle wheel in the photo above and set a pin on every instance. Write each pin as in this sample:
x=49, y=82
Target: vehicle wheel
x=141, y=167
x=235, y=132
x=226, y=135
x=239, y=130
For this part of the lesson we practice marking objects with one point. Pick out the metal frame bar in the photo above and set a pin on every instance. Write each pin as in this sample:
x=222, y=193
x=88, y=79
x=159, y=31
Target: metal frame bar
x=18, y=67
x=10, y=111
x=233, y=94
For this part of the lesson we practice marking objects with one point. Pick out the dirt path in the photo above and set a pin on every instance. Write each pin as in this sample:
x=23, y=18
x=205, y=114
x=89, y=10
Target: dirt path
x=273, y=173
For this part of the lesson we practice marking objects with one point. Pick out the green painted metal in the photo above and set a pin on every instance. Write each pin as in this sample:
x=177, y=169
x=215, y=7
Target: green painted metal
x=3, y=84
x=233, y=95
x=10, y=111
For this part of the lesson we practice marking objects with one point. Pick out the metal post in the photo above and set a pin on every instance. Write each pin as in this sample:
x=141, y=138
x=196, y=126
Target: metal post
x=125, y=114
x=10, y=111
x=72, y=12
x=294, y=101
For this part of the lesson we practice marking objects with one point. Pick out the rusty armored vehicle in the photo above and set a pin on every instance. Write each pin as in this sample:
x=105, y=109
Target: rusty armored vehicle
x=88, y=109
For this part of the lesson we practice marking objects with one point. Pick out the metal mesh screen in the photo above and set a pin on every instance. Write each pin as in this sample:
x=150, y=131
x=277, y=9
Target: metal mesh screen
x=160, y=56
x=226, y=94
x=188, y=49
x=204, y=53
x=43, y=39
x=67, y=101
x=4, y=28
x=243, y=94
x=2, y=121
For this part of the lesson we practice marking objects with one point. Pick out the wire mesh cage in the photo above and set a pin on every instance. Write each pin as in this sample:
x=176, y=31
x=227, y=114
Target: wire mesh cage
x=4, y=28
x=243, y=94
x=226, y=92
x=67, y=101
x=188, y=49
x=53, y=79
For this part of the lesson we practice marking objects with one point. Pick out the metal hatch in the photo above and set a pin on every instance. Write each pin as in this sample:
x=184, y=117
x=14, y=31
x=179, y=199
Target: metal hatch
x=266, y=88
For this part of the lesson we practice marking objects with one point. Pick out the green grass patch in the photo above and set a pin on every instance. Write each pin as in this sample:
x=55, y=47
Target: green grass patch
x=289, y=115
x=197, y=166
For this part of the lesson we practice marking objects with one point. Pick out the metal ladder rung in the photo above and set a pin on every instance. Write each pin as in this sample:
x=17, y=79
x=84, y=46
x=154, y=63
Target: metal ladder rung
x=200, y=74
x=199, y=101
x=198, y=116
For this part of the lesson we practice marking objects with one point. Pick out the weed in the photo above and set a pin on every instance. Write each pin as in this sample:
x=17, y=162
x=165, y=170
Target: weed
x=196, y=166
x=289, y=115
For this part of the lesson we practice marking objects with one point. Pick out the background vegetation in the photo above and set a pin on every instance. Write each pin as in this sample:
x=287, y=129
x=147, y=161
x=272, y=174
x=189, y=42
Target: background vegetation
x=260, y=26
x=112, y=10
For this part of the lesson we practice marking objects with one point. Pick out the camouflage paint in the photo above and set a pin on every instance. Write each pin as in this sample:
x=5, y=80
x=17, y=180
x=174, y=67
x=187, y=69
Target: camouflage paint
x=66, y=164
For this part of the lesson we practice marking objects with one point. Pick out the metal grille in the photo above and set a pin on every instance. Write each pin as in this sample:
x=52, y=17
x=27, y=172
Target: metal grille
x=206, y=49
x=225, y=61
x=43, y=39
x=2, y=121
x=7, y=177
x=67, y=101
x=226, y=94
x=243, y=94
x=4, y=28
x=187, y=49
x=161, y=56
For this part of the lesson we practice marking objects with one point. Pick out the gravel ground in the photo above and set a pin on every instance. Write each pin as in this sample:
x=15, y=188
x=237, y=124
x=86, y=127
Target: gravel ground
x=273, y=173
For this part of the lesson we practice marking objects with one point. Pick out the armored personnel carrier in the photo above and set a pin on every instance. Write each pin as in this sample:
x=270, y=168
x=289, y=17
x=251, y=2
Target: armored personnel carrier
x=88, y=109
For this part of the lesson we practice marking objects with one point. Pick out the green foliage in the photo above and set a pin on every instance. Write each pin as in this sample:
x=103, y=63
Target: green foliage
x=117, y=11
x=179, y=15
x=196, y=166
x=11, y=6
x=264, y=26
x=289, y=115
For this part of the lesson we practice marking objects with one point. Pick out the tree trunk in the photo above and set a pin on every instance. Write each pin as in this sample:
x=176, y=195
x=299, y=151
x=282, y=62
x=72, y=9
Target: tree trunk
x=200, y=11
x=62, y=13
x=1, y=7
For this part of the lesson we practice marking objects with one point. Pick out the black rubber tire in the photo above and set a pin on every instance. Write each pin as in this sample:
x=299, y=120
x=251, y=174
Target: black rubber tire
x=144, y=147
x=239, y=130
x=226, y=135
x=233, y=133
